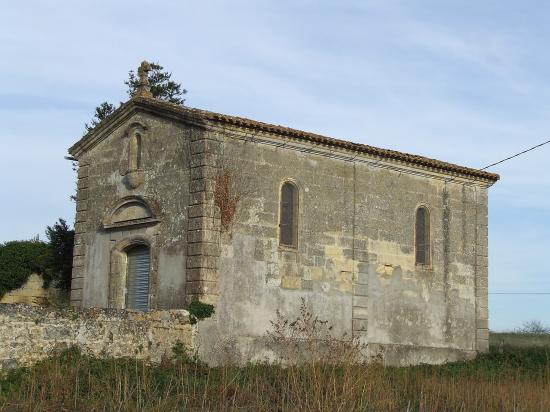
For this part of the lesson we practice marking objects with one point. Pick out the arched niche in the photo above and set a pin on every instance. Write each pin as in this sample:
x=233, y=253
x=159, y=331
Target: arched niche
x=132, y=168
x=132, y=211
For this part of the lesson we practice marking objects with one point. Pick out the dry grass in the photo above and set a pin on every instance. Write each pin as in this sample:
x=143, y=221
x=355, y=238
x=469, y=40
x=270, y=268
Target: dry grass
x=327, y=379
x=519, y=340
x=308, y=339
x=509, y=381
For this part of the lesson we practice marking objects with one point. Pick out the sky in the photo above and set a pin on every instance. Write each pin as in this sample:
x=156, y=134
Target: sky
x=461, y=81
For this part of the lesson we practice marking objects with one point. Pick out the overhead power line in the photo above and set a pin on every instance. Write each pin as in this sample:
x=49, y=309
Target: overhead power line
x=516, y=155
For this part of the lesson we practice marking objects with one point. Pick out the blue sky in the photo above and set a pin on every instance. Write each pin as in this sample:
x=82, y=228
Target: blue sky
x=462, y=81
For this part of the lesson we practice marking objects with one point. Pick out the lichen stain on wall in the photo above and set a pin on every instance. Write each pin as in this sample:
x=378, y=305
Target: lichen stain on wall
x=391, y=253
x=340, y=268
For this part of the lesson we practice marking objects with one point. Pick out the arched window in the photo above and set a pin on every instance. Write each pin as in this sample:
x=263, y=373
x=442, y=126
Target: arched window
x=422, y=236
x=137, y=277
x=134, y=153
x=288, y=224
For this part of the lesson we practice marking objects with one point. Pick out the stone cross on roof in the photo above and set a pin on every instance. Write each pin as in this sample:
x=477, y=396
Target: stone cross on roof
x=144, y=89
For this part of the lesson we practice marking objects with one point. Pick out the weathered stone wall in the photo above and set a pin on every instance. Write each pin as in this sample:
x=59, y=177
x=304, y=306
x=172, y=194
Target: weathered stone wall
x=103, y=181
x=31, y=333
x=32, y=292
x=355, y=260
x=203, y=234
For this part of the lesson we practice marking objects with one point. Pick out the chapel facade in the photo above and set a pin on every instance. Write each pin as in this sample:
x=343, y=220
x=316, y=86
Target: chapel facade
x=176, y=204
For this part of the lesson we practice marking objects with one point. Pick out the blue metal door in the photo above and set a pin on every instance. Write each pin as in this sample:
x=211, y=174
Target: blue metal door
x=137, y=288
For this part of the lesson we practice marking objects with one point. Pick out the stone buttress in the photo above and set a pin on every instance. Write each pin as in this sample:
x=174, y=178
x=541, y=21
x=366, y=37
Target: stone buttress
x=203, y=236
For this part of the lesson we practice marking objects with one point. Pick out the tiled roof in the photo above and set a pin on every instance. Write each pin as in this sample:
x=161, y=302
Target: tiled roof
x=275, y=130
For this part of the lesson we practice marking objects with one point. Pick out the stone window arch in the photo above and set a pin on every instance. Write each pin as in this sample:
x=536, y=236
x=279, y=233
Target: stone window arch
x=422, y=236
x=288, y=214
x=124, y=291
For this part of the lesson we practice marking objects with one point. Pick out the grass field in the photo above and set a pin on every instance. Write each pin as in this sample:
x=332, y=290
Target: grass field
x=506, y=379
x=512, y=340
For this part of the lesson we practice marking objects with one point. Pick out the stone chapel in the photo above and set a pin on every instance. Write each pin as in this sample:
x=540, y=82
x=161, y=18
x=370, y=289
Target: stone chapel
x=176, y=203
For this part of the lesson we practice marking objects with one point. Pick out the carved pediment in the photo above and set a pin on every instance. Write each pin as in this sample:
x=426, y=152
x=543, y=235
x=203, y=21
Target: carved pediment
x=131, y=211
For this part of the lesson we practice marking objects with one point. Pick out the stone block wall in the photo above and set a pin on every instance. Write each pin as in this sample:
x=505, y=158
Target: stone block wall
x=82, y=204
x=203, y=228
x=482, y=273
x=32, y=292
x=162, y=186
x=354, y=262
x=31, y=333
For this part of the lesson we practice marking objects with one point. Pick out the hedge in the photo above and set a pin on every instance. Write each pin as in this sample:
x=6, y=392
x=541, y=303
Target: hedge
x=19, y=259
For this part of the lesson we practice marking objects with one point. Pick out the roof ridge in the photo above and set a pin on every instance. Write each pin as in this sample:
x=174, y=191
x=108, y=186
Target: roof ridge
x=304, y=135
x=351, y=145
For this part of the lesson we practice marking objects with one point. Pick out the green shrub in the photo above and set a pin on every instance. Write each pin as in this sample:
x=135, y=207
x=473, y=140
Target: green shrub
x=52, y=260
x=60, y=242
x=19, y=259
x=184, y=355
x=199, y=310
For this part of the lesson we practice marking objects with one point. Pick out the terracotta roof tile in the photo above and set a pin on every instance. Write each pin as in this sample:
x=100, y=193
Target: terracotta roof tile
x=241, y=122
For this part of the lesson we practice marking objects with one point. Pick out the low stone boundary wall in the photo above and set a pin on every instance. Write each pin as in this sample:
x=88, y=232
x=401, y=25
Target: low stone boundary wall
x=31, y=333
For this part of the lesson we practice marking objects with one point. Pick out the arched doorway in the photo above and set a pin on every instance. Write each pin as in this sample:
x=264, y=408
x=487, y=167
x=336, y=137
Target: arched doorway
x=137, y=277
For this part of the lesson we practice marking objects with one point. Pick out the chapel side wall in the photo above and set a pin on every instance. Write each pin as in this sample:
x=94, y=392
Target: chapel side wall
x=415, y=309
x=256, y=276
x=165, y=165
x=356, y=270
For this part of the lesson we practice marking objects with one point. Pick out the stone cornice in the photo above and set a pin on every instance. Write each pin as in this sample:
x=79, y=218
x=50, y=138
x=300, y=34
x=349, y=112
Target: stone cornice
x=206, y=119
